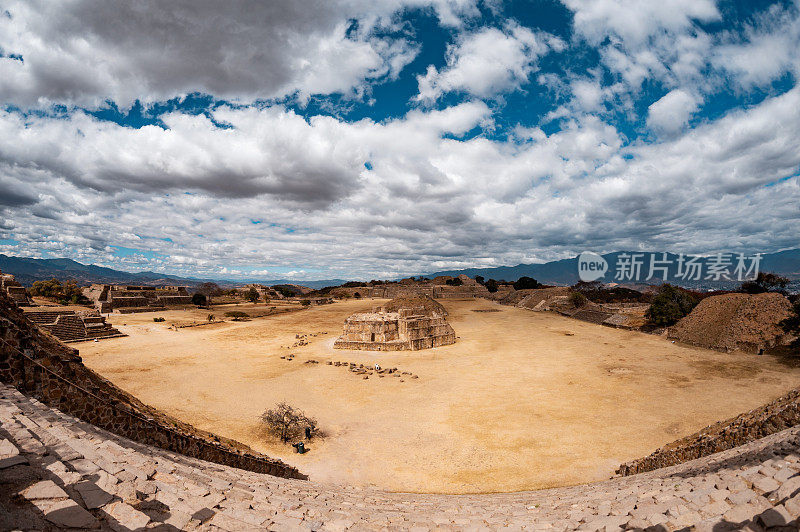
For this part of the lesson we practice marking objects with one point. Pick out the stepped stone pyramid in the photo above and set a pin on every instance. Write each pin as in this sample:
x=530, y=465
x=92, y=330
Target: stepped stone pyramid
x=71, y=326
x=15, y=291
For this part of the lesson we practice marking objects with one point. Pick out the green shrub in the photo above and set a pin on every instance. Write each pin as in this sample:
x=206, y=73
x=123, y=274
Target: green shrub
x=158, y=320
x=251, y=295
x=237, y=314
x=669, y=305
x=524, y=283
x=491, y=286
x=305, y=302
x=791, y=325
x=765, y=282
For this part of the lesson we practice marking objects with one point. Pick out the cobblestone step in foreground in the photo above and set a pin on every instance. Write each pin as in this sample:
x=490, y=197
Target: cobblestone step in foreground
x=58, y=472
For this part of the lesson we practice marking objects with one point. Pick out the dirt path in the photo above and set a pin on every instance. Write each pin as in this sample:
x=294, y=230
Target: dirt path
x=523, y=400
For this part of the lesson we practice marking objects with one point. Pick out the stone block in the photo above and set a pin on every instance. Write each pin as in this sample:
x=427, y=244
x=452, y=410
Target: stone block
x=46, y=489
x=68, y=514
x=123, y=517
x=93, y=496
x=788, y=489
x=7, y=450
x=765, y=484
x=775, y=517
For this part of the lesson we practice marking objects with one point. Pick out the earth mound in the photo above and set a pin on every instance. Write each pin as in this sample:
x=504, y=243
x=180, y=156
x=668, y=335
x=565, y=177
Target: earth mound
x=536, y=296
x=747, y=322
x=514, y=296
x=420, y=301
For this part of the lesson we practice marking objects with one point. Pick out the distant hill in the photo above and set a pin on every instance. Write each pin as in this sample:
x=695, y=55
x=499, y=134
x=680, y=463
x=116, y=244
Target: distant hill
x=565, y=271
x=560, y=272
x=27, y=270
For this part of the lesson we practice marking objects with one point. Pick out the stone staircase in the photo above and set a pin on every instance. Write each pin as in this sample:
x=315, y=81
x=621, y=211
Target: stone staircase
x=69, y=326
x=57, y=472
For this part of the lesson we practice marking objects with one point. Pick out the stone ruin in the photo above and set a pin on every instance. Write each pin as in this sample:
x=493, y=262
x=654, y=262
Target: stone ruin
x=407, y=329
x=70, y=326
x=436, y=288
x=128, y=299
x=15, y=291
x=61, y=469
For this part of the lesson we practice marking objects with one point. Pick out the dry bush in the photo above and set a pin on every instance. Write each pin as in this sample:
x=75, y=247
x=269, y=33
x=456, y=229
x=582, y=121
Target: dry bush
x=237, y=315
x=286, y=422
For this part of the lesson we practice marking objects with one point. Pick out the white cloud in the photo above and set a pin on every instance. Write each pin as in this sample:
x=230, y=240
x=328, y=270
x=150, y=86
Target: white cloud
x=766, y=49
x=488, y=62
x=85, y=52
x=263, y=152
x=636, y=21
x=276, y=191
x=428, y=202
x=672, y=112
x=642, y=39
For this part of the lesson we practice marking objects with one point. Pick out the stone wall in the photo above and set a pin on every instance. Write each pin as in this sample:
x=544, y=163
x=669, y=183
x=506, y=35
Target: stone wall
x=15, y=291
x=39, y=365
x=175, y=300
x=392, y=291
x=108, y=298
x=773, y=417
x=129, y=301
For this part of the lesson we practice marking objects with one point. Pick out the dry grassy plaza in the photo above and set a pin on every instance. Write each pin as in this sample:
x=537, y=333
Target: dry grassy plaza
x=522, y=400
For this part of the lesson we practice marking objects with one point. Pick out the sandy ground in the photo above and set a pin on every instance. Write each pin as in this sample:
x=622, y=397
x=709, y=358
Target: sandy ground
x=523, y=400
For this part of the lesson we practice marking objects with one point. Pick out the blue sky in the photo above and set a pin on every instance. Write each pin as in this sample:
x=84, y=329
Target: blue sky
x=356, y=139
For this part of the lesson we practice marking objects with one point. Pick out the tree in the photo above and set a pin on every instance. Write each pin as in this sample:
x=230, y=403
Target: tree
x=525, y=283
x=791, y=325
x=283, y=290
x=251, y=295
x=669, y=305
x=455, y=281
x=199, y=299
x=65, y=293
x=287, y=422
x=765, y=282
x=479, y=279
x=305, y=302
x=577, y=299
x=209, y=289
x=491, y=286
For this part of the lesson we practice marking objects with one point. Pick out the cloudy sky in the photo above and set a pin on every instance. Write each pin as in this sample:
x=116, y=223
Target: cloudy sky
x=316, y=139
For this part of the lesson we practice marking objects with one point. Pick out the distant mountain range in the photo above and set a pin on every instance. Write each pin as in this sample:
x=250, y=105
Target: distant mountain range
x=560, y=272
x=27, y=270
x=565, y=271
